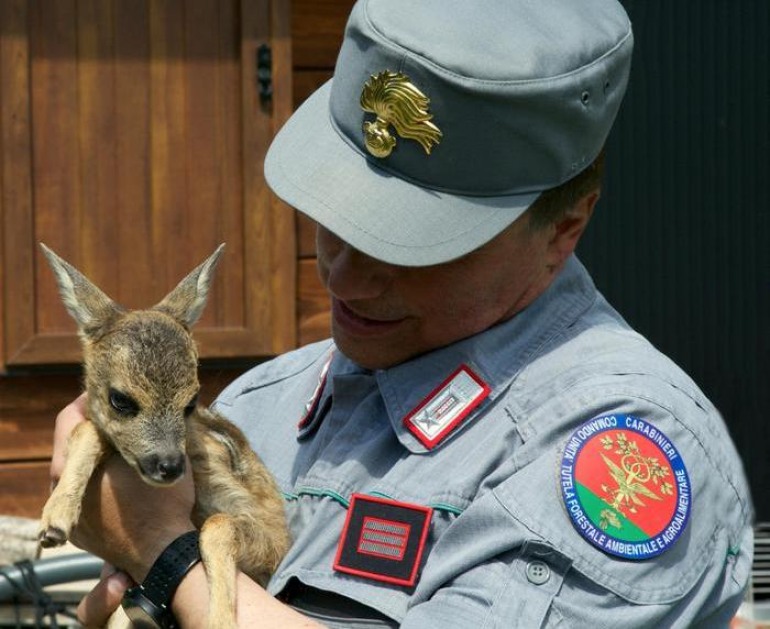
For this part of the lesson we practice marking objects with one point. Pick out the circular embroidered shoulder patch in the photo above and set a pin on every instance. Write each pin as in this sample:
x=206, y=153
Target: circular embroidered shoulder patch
x=625, y=486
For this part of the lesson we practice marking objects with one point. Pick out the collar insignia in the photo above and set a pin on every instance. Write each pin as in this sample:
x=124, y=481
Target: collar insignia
x=445, y=408
x=311, y=406
x=625, y=487
x=396, y=101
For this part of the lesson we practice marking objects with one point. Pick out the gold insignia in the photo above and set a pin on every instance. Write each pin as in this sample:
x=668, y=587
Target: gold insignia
x=396, y=101
x=632, y=477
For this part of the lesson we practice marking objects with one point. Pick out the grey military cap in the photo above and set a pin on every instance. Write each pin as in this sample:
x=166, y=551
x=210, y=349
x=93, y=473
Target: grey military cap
x=446, y=119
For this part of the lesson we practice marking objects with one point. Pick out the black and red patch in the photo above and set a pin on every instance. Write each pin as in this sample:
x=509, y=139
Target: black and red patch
x=383, y=540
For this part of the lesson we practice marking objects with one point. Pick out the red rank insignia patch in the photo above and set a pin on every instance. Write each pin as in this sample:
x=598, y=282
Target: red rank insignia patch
x=446, y=407
x=383, y=540
x=625, y=486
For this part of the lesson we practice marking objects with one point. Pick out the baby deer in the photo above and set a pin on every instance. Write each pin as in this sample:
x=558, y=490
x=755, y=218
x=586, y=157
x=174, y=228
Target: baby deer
x=142, y=385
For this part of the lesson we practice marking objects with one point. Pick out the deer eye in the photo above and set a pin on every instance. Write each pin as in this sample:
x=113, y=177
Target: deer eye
x=191, y=406
x=123, y=404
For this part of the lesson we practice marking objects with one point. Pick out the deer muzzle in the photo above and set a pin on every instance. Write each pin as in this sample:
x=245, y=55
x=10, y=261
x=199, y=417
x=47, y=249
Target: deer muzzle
x=163, y=469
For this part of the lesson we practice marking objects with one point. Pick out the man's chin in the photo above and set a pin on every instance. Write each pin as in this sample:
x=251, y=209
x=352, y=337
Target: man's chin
x=370, y=354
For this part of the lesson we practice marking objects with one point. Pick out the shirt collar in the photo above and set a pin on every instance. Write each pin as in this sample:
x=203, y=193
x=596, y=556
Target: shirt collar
x=335, y=367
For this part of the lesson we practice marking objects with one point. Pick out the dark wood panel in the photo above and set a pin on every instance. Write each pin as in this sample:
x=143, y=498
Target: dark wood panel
x=305, y=236
x=313, y=303
x=136, y=154
x=317, y=28
x=317, y=32
x=56, y=155
x=24, y=488
x=97, y=154
x=270, y=254
x=28, y=408
x=18, y=261
x=167, y=143
x=212, y=141
x=305, y=82
x=134, y=102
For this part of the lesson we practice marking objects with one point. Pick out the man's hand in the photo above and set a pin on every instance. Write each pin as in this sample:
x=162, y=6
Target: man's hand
x=100, y=603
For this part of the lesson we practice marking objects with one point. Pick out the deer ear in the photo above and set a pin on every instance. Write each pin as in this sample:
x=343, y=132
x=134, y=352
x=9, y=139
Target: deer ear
x=89, y=306
x=186, y=302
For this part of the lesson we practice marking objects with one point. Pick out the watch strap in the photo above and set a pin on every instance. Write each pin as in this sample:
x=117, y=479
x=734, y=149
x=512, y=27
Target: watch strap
x=163, y=579
x=170, y=568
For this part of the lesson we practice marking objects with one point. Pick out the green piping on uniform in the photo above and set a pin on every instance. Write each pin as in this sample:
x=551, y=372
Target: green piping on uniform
x=312, y=491
x=438, y=506
x=380, y=494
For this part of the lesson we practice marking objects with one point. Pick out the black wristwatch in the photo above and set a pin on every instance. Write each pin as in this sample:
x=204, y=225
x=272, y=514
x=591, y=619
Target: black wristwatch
x=148, y=605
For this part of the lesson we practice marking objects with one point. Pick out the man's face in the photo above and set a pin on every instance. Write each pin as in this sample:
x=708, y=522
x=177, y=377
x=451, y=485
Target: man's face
x=383, y=314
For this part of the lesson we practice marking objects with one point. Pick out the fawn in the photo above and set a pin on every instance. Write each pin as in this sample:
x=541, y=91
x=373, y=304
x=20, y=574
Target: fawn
x=142, y=385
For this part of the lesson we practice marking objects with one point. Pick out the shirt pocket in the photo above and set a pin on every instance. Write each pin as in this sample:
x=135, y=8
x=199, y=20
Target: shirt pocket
x=535, y=579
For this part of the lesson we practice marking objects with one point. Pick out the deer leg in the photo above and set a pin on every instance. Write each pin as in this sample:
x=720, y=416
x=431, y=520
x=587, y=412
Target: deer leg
x=85, y=449
x=218, y=552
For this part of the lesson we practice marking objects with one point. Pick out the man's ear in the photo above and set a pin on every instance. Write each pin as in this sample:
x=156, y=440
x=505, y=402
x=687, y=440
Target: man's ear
x=568, y=229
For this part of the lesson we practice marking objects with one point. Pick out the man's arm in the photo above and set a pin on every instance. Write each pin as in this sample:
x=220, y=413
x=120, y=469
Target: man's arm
x=256, y=608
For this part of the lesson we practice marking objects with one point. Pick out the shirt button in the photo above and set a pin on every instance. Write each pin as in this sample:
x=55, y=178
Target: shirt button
x=538, y=572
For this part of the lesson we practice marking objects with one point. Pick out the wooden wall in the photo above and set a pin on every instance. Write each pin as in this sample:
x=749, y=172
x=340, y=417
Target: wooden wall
x=29, y=401
x=317, y=27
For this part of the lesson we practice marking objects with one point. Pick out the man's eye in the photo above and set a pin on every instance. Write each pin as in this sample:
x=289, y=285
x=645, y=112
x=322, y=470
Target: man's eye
x=191, y=406
x=123, y=404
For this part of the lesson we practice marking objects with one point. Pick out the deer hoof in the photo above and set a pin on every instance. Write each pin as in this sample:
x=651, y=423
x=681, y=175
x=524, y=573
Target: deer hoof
x=52, y=537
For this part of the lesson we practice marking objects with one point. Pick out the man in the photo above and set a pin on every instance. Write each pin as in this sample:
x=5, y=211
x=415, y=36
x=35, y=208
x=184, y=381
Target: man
x=485, y=442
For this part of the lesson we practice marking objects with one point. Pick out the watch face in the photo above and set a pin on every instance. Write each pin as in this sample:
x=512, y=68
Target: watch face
x=140, y=620
x=141, y=611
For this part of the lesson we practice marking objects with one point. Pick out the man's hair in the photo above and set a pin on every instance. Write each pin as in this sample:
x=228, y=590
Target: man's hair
x=553, y=204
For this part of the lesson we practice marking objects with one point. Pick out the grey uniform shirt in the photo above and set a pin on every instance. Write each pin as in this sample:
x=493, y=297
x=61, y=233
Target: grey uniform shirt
x=501, y=549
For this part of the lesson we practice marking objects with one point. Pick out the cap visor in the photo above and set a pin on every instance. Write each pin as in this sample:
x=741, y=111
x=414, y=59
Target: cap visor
x=317, y=171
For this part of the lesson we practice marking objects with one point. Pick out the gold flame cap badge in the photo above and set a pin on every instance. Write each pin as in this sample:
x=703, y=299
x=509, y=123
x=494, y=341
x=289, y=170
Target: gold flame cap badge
x=394, y=99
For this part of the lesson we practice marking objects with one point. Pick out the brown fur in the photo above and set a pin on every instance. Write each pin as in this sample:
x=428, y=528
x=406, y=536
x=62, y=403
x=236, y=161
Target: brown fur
x=145, y=362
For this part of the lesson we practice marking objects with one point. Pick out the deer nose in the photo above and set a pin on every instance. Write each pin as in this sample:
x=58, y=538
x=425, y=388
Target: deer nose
x=165, y=469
